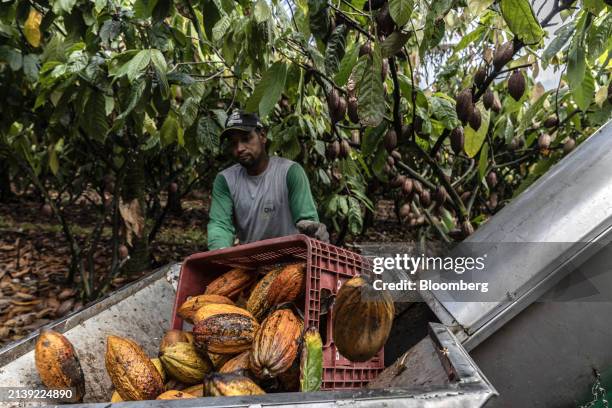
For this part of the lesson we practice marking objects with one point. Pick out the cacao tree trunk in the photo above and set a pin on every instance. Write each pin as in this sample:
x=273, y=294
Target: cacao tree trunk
x=174, y=202
x=134, y=189
x=5, y=183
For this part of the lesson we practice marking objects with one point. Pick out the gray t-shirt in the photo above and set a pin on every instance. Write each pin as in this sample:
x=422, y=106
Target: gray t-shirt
x=261, y=207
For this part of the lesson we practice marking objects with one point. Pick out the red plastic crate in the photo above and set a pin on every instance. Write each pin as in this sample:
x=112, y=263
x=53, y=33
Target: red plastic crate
x=327, y=267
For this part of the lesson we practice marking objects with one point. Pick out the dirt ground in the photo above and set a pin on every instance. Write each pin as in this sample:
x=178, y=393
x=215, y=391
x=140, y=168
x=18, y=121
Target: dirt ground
x=34, y=257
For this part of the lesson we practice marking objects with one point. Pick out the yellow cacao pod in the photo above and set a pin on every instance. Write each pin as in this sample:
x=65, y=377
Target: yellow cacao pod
x=218, y=360
x=132, y=373
x=230, y=385
x=276, y=344
x=184, y=364
x=158, y=364
x=174, y=394
x=116, y=397
x=58, y=364
x=224, y=329
x=232, y=283
x=282, y=284
x=174, y=336
x=193, y=303
x=195, y=390
x=362, y=319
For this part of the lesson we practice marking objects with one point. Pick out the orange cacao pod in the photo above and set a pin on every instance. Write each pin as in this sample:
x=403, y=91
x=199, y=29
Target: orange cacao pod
x=231, y=283
x=283, y=284
x=193, y=303
x=224, y=329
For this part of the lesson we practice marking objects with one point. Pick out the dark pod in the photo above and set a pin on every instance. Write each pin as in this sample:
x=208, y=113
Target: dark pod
x=503, y=55
x=457, y=139
x=516, y=85
x=390, y=140
x=475, y=119
x=464, y=106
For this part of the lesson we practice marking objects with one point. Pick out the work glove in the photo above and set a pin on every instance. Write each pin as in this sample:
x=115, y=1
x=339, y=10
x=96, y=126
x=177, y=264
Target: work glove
x=313, y=229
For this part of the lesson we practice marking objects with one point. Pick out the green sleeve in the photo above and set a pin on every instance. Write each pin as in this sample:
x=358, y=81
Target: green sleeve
x=220, y=225
x=300, y=197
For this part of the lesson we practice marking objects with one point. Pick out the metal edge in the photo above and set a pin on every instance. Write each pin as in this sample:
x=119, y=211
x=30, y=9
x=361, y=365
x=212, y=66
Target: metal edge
x=18, y=348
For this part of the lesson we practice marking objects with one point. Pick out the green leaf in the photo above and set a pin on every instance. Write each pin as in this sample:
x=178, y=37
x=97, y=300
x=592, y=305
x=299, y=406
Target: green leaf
x=476, y=7
x=563, y=35
x=53, y=161
x=371, y=98
x=474, y=139
x=135, y=66
x=355, y=220
x=318, y=18
x=540, y=168
x=378, y=164
x=93, y=120
x=208, y=134
x=444, y=110
x=30, y=67
x=343, y=205
x=268, y=90
x=143, y=9
x=261, y=11
x=470, y=38
x=393, y=44
x=136, y=92
x=400, y=11
x=12, y=56
x=521, y=20
x=346, y=65
x=63, y=6
x=483, y=161
x=220, y=29
x=171, y=130
x=584, y=92
x=335, y=49
x=371, y=139
x=161, y=68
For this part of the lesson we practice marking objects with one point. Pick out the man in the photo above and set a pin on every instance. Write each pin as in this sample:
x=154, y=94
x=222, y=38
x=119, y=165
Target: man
x=260, y=197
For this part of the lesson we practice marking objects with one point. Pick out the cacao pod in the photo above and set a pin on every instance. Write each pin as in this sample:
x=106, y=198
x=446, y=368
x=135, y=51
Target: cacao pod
x=440, y=195
x=187, y=310
x=342, y=106
x=492, y=203
x=46, y=210
x=488, y=99
x=516, y=85
x=184, y=364
x=396, y=155
x=174, y=394
x=390, y=140
x=230, y=385
x=333, y=150
x=384, y=70
x=569, y=145
x=352, y=109
x=124, y=252
x=404, y=211
x=195, y=390
x=232, y=283
x=384, y=21
x=497, y=106
x=362, y=318
x=132, y=373
x=345, y=149
x=334, y=105
x=457, y=139
x=282, y=284
x=475, y=119
x=356, y=137
x=238, y=363
x=408, y=186
x=391, y=160
x=311, y=361
x=544, y=142
x=174, y=336
x=116, y=397
x=425, y=198
x=224, y=329
x=365, y=49
x=503, y=55
x=464, y=105
x=276, y=344
x=480, y=76
x=58, y=364
x=218, y=360
x=160, y=368
x=417, y=187
x=398, y=181
x=467, y=228
x=465, y=197
x=551, y=122
x=492, y=179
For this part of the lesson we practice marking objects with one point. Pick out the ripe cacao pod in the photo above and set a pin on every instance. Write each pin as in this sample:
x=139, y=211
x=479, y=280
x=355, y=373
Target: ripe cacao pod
x=311, y=361
x=516, y=85
x=569, y=145
x=467, y=228
x=116, y=397
x=132, y=373
x=232, y=283
x=544, y=141
x=224, y=329
x=551, y=122
x=404, y=211
x=475, y=119
x=183, y=363
x=195, y=390
x=230, y=385
x=174, y=394
x=334, y=105
x=457, y=139
x=464, y=105
x=396, y=155
x=391, y=160
x=417, y=187
x=440, y=195
x=398, y=181
x=174, y=336
x=160, y=368
x=282, y=284
x=503, y=55
x=345, y=149
x=238, y=363
x=46, y=210
x=480, y=76
x=218, y=360
x=362, y=318
x=352, y=109
x=187, y=310
x=408, y=186
x=342, y=106
x=390, y=140
x=488, y=99
x=276, y=344
x=425, y=198
x=333, y=150
x=58, y=364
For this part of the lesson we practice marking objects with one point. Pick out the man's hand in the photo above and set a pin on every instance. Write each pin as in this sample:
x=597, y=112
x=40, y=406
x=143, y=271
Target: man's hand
x=313, y=229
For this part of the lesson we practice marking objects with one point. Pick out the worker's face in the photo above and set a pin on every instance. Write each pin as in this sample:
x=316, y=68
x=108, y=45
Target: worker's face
x=248, y=148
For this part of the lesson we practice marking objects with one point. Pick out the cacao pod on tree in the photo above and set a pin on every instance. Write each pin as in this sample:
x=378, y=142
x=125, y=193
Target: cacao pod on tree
x=516, y=85
x=464, y=106
x=503, y=55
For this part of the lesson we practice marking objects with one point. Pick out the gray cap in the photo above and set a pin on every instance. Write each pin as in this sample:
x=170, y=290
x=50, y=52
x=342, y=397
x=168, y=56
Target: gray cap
x=240, y=120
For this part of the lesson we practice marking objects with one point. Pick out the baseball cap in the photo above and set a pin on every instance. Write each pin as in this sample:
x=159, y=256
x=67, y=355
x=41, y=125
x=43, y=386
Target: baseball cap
x=240, y=120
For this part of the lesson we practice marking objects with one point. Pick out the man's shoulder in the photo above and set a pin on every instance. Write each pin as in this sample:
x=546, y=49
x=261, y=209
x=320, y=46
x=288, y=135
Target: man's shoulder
x=282, y=162
x=233, y=169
